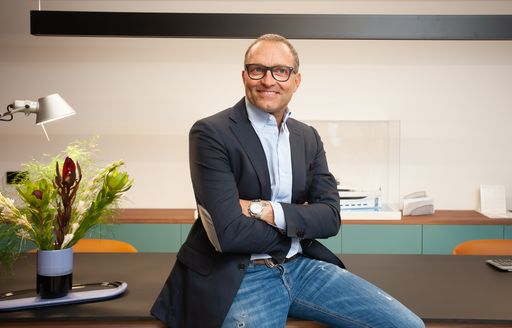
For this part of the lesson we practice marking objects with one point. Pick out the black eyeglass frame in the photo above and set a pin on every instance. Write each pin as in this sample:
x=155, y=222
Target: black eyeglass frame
x=271, y=69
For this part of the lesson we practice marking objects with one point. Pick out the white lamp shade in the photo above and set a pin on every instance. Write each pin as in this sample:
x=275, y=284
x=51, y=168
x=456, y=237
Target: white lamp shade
x=51, y=108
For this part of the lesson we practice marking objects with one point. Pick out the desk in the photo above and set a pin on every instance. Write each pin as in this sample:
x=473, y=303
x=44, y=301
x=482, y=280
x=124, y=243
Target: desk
x=439, y=288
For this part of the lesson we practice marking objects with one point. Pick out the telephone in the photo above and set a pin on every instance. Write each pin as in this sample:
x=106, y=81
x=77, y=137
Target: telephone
x=417, y=203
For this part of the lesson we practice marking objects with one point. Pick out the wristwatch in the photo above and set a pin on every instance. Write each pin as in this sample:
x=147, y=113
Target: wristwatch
x=256, y=208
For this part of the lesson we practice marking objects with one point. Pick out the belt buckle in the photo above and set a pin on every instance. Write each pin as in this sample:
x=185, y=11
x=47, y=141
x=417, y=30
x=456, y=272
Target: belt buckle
x=270, y=263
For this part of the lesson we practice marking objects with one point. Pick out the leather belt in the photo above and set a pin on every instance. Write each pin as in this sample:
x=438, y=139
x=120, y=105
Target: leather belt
x=270, y=262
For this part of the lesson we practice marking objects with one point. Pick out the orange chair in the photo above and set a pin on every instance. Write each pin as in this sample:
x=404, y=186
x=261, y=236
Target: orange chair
x=91, y=245
x=484, y=247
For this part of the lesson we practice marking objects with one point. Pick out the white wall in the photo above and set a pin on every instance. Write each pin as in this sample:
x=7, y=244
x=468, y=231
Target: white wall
x=453, y=98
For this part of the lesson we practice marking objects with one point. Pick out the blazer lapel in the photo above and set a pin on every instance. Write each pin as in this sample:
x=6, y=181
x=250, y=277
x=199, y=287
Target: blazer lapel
x=298, y=154
x=251, y=144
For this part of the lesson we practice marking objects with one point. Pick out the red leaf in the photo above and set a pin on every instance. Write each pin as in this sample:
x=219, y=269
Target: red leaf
x=69, y=171
x=38, y=194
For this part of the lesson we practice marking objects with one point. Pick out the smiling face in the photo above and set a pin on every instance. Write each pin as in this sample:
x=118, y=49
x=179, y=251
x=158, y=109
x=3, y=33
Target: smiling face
x=268, y=94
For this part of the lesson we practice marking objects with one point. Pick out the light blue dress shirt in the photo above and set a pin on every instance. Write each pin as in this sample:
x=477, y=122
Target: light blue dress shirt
x=276, y=144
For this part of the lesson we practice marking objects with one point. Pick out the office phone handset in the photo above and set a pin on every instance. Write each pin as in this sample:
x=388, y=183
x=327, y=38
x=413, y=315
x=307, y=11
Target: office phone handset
x=417, y=203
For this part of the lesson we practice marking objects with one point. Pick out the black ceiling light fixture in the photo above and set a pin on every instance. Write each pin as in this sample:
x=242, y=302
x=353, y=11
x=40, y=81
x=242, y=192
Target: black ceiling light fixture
x=293, y=26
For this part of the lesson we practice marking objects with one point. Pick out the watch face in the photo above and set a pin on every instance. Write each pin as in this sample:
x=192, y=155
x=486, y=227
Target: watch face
x=256, y=208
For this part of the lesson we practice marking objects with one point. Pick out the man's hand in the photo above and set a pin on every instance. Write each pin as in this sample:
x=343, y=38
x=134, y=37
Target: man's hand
x=268, y=212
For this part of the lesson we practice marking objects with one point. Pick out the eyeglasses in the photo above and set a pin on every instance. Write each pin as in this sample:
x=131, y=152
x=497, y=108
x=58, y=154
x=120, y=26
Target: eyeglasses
x=280, y=73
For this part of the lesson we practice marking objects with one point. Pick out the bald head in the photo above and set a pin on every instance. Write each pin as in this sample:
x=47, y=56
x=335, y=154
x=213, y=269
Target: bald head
x=275, y=38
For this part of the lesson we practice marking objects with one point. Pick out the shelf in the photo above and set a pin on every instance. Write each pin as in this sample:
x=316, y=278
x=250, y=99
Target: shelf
x=442, y=217
x=186, y=216
x=156, y=215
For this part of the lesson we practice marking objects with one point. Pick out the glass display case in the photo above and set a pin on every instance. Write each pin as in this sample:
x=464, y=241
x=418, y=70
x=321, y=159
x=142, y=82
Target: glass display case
x=364, y=157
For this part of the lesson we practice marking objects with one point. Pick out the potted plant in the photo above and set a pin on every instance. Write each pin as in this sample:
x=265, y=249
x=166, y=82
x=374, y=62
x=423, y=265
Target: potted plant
x=61, y=201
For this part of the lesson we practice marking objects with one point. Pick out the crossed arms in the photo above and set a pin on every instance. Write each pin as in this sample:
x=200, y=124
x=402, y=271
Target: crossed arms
x=225, y=180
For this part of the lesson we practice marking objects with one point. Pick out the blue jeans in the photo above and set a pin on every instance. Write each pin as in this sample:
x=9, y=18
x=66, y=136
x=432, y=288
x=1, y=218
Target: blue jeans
x=313, y=290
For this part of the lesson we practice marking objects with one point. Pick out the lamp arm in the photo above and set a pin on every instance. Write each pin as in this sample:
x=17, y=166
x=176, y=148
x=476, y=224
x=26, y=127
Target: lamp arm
x=8, y=112
x=20, y=106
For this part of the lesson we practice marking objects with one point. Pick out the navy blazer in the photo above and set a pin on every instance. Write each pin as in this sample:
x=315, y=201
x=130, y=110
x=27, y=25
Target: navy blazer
x=228, y=163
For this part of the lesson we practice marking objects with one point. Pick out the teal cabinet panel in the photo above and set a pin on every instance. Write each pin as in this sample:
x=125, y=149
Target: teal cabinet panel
x=185, y=229
x=333, y=243
x=381, y=239
x=441, y=239
x=95, y=232
x=146, y=237
x=353, y=238
x=508, y=232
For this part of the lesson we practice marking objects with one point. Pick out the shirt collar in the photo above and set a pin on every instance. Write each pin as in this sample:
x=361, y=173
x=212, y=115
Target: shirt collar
x=260, y=118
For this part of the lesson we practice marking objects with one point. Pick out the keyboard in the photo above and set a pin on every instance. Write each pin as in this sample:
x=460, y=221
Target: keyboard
x=501, y=263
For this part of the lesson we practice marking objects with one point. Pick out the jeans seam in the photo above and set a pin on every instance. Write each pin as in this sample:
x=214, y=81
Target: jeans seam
x=331, y=313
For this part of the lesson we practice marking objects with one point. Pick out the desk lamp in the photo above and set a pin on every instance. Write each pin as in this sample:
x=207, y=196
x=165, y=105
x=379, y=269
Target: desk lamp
x=47, y=109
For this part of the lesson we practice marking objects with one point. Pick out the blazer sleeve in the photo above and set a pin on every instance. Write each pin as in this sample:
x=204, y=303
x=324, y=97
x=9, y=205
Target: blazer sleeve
x=319, y=215
x=216, y=190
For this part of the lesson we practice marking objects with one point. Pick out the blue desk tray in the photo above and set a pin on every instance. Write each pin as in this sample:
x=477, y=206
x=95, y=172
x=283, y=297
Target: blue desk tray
x=80, y=293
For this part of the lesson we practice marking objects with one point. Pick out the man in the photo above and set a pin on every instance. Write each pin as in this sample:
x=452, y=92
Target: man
x=264, y=194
